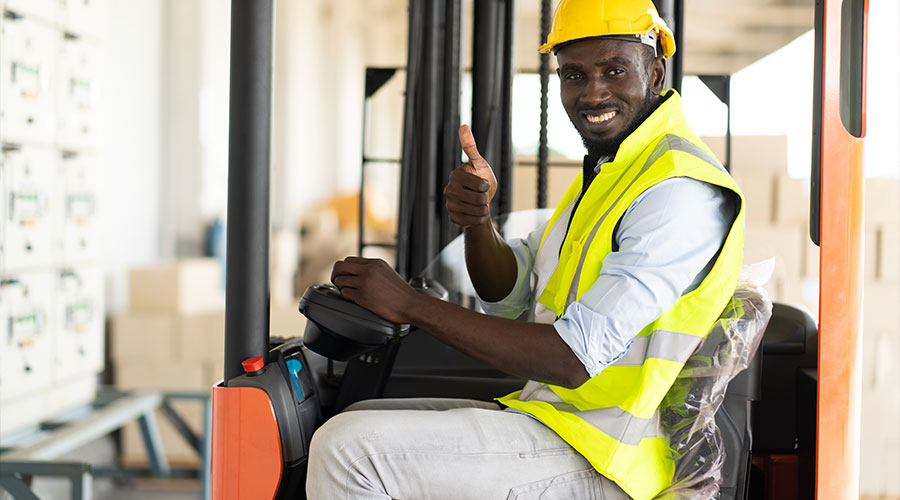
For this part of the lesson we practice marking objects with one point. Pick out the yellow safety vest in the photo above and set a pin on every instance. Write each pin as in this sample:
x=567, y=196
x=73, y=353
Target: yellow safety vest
x=613, y=418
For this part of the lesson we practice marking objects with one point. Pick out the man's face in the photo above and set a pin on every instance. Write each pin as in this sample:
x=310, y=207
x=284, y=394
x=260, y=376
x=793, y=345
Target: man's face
x=608, y=88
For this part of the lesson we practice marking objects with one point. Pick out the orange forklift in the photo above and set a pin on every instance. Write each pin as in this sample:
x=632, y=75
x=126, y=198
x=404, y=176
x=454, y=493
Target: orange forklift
x=790, y=422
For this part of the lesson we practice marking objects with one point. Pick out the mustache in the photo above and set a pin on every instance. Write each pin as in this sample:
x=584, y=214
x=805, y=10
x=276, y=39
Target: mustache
x=603, y=108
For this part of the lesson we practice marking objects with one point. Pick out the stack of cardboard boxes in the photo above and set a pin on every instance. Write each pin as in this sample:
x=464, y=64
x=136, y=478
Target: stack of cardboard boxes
x=880, y=409
x=172, y=338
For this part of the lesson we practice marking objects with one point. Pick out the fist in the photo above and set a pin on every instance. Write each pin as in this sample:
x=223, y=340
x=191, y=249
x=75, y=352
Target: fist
x=373, y=284
x=471, y=187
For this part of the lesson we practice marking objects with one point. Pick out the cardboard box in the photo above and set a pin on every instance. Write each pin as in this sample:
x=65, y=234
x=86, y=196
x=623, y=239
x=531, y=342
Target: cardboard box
x=752, y=154
x=871, y=242
x=887, y=370
x=716, y=144
x=759, y=195
x=286, y=321
x=880, y=438
x=871, y=462
x=201, y=337
x=791, y=200
x=159, y=374
x=213, y=371
x=889, y=254
x=782, y=242
x=891, y=464
x=867, y=368
x=188, y=286
x=880, y=304
x=882, y=201
x=143, y=335
x=319, y=255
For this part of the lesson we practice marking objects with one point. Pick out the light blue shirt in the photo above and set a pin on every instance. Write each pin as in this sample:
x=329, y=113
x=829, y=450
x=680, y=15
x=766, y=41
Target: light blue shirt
x=667, y=240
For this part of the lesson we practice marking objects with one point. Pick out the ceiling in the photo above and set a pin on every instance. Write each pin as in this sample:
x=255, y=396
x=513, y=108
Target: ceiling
x=724, y=36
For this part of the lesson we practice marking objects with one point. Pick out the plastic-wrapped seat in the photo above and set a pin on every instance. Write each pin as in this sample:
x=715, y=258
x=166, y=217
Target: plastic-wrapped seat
x=707, y=411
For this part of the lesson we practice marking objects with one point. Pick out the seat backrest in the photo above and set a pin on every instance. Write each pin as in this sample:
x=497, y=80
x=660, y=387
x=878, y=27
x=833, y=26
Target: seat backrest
x=704, y=416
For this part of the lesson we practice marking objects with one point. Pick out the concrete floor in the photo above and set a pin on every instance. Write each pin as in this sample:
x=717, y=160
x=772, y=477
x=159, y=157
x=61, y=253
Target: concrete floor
x=103, y=452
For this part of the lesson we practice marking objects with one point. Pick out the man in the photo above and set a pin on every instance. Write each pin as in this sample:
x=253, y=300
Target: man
x=620, y=287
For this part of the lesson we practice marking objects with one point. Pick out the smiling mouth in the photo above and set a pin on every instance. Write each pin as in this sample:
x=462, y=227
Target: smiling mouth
x=600, y=118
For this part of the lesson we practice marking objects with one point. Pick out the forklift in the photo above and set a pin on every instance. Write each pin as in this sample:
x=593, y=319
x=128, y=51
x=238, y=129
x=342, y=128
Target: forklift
x=799, y=397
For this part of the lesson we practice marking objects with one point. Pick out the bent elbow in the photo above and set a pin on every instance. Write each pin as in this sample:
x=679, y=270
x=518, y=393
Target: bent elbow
x=577, y=377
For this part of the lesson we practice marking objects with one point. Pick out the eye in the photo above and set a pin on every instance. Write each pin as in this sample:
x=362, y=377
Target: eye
x=615, y=71
x=572, y=76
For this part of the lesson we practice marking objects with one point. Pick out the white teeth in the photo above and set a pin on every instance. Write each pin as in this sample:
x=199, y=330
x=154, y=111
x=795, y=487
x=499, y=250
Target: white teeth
x=601, y=118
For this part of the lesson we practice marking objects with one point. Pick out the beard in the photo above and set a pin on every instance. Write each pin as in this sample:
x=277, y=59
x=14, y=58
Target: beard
x=599, y=148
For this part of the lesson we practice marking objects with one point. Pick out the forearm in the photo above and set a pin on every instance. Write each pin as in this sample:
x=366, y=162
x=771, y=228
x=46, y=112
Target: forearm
x=490, y=262
x=528, y=350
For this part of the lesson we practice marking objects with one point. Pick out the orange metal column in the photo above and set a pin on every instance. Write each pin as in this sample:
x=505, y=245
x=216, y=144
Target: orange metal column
x=840, y=272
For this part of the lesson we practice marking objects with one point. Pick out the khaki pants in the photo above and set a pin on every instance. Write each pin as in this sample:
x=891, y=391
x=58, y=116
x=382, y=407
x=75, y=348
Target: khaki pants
x=422, y=449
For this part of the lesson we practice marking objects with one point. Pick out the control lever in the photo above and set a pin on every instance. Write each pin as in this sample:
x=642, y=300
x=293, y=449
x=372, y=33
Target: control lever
x=429, y=287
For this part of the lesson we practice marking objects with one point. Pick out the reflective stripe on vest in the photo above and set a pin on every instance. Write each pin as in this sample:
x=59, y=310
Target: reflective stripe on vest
x=661, y=344
x=614, y=421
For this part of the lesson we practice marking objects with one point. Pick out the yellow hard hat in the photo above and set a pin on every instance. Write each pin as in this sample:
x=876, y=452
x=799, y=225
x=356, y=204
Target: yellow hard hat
x=635, y=19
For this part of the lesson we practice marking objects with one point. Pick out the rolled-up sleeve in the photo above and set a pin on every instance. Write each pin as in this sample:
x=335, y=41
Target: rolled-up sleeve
x=667, y=240
x=518, y=300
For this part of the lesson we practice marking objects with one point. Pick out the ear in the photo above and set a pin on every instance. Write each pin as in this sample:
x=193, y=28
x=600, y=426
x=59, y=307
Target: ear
x=657, y=75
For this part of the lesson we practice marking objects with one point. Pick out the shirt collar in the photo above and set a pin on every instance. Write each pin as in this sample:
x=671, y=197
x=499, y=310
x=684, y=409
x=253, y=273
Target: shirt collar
x=600, y=162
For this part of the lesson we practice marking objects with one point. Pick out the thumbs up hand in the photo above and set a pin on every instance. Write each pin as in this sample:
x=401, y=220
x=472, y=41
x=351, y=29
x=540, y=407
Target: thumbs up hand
x=476, y=165
x=471, y=187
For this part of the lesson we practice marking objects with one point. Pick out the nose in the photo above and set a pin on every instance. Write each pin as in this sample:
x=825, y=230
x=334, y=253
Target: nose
x=595, y=93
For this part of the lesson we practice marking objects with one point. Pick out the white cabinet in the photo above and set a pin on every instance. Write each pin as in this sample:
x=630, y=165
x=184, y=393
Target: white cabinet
x=80, y=230
x=51, y=278
x=27, y=326
x=78, y=348
x=29, y=189
x=78, y=87
x=27, y=63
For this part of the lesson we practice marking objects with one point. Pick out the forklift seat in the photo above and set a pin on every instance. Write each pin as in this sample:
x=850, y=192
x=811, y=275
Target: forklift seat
x=707, y=412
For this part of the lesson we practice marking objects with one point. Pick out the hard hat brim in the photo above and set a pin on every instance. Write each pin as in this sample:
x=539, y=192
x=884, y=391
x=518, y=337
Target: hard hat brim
x=666, y=41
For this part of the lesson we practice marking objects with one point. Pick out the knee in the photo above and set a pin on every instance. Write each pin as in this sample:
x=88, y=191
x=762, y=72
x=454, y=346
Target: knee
x=326, y=456
x=335, y=452
x=331, y=441
x=334, y=448
x=325, y=438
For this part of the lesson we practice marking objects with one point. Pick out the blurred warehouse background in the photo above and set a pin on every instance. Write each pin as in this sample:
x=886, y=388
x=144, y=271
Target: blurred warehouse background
x=114, y=131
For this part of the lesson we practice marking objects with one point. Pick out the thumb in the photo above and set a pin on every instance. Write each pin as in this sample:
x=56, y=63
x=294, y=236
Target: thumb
x=467, y=141
x=477, y=165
